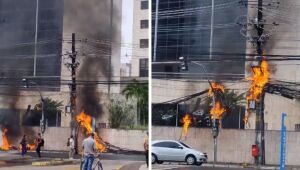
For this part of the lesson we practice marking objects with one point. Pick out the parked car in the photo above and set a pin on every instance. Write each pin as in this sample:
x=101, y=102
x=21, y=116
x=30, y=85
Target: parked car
x=175, y=151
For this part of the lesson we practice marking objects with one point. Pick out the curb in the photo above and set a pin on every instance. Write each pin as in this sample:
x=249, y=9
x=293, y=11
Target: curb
x=241, y=166
x=51, y=163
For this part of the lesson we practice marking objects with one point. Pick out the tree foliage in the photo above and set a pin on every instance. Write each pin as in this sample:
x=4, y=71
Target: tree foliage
x=52, y=109
x=120, y=114
x=138, y=92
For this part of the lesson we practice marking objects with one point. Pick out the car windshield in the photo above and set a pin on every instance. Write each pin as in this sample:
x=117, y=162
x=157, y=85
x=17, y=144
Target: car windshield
x=184, y=145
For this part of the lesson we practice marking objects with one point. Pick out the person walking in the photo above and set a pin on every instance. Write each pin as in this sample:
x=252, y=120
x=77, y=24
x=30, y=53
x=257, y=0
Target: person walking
x=89, y=148
x=72, y=147
x=146, y=148
x=23, y=145
x=39, y=142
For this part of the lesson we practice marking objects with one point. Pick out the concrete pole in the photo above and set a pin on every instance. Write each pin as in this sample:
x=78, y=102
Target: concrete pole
x=35, y=36
x=111, y=42
x=214, y=126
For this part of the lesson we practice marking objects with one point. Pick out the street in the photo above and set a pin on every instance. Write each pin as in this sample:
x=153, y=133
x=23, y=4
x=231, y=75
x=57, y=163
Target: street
x=57, y=160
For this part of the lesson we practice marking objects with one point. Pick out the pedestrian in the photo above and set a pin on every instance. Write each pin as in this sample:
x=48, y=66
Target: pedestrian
x=71, y=143
x=89, y=148
x=146, y=148
x=39, y=142
x=23, y=144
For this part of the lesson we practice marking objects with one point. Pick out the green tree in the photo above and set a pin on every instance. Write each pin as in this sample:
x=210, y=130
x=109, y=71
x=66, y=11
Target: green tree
x=139, y=92
x=52, y=109
x=119, y=114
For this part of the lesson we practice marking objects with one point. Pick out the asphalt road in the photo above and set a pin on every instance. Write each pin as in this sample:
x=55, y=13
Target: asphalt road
x=104, y=156
x=14, y=159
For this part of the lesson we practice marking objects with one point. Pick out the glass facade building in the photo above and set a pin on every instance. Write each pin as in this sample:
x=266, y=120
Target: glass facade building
x=17, y=38
x=184, y=30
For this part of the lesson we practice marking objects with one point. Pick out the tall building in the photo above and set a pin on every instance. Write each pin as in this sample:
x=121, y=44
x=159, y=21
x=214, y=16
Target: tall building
x=140, y=38
x=183, y=30
x=31, y=47
x=22, y=24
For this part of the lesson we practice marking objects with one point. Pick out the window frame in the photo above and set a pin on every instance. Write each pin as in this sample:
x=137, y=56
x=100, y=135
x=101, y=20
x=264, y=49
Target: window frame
x=144, y=5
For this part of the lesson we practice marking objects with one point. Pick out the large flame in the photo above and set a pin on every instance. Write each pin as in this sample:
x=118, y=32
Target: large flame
x=85, y=121
x=5, y=144
x=258, y=80
x=219, y=110
x=186, y=120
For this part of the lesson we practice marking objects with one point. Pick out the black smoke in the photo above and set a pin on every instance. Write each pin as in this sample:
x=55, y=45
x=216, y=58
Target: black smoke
x=91, y=22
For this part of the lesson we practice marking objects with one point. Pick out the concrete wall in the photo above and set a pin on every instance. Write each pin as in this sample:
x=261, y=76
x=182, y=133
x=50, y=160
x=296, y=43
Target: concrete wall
x=56, y=137
x=234, y=145
x=128, y=139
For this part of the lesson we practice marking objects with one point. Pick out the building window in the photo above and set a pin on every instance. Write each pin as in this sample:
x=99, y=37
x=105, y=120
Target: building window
x=144, y=67
x=297, y=127
x=144, y=43
x=144, y=24
x=144, y=4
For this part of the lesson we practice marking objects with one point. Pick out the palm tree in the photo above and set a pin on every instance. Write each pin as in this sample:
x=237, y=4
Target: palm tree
x=52, y=110
x=139, y=92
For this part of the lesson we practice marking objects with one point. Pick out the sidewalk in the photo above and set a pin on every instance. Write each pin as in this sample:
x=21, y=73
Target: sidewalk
x=267, y=167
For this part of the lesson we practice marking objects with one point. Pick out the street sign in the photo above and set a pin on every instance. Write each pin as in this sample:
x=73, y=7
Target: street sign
x=251, y=104
x=283, y=142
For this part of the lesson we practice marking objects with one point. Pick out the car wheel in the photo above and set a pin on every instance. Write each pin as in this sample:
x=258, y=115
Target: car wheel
x=190, y=160
x=160, y=162
x=153, y=158
x=199, y=163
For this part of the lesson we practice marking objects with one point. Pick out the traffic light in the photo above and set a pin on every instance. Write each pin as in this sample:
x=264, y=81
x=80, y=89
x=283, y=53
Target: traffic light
x=183, y=63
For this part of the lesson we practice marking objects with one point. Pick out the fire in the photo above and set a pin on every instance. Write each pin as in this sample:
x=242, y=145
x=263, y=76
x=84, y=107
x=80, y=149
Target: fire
x=5, y=144
x=85, y=121
x=218, y=109
x=258, y=80
x=216, y=87
x=186, y=124
x=31, y=146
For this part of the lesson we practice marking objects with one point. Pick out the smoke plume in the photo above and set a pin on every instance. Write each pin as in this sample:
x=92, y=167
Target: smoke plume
x=91, y=22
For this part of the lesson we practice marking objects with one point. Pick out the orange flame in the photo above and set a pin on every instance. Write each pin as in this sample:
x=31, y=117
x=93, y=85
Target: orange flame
x=85, y=121
x=186, y=124
x=218, y=109
x=31, y=146
x=216, y=87
x=5, y=144
x=259, y=79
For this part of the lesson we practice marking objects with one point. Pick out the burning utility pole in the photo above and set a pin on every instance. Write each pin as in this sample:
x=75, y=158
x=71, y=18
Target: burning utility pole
x=260, y=123
x=260, y=72
x=73, y=65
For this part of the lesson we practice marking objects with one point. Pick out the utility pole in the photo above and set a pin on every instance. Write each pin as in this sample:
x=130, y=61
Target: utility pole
x=260, y=139
x=111, y=42
x=74, y=64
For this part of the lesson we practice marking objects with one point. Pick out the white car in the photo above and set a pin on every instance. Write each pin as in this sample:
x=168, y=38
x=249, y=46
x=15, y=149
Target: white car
x=175, y=151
